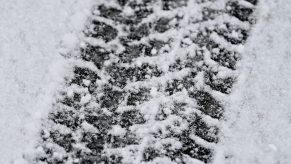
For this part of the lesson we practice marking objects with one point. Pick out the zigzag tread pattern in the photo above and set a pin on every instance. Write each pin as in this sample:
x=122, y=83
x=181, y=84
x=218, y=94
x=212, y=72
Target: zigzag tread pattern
x=148, y=83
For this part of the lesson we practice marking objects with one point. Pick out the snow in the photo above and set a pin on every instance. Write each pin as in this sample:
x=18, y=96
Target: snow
x=31, y=68
x=257, y=129
x=258, y=116
x=85, y=99
x=117, y=130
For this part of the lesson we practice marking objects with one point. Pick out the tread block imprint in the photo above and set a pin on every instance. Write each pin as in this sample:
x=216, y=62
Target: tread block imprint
x=147, y=88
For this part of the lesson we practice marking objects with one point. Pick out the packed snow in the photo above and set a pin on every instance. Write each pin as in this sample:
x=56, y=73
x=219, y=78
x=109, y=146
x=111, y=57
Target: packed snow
x=31, y=67
x=258, y=126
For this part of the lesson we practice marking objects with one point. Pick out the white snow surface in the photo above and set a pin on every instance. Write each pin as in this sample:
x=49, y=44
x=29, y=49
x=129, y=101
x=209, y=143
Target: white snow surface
x=258, y=126
x=257, y=129
x=31, y=67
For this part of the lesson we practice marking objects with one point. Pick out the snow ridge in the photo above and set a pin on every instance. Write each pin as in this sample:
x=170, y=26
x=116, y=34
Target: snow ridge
x=31, y=68
x=257, y=129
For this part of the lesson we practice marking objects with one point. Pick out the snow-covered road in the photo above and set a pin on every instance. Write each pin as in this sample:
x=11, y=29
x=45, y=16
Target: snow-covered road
x=259, y=128
x=30, y=32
